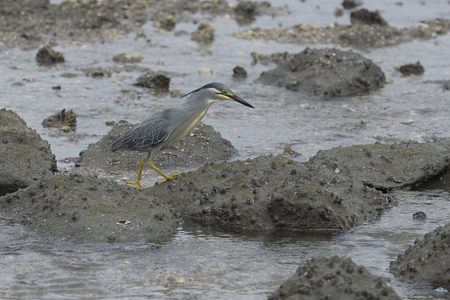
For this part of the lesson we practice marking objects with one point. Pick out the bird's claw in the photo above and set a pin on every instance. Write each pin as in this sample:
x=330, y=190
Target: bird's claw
x=169, y=177
x=135, y=184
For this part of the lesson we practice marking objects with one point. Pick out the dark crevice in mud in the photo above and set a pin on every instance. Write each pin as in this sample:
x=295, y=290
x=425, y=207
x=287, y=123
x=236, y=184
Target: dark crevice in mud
x=440, y=181
x=380, y=188
x=11, y=188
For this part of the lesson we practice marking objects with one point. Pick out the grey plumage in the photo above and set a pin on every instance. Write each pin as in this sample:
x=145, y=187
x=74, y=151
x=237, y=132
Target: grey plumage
x=150, y=133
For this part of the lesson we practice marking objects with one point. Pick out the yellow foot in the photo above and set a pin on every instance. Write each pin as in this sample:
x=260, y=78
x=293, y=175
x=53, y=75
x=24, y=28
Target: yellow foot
x=169, y=177
x=135, y=184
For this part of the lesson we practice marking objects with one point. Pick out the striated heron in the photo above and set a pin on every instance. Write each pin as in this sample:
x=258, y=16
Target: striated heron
x=163, y=129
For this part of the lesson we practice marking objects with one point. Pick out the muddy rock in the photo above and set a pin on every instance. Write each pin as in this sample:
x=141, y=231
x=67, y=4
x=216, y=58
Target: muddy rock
x=268, y=192
x=359, y=36
x=364, y=16
x=97, y=73
x=127, y=58
x=277, y=58
x=338, y=12
x=411, y=69
x=157, y=83
x=28, y=23
x=351, y=4
x=165, y=22
x=62, y=119
x=386, y=167
x=204, y=33
x=327, y=72
x=419, y=215
x=48, y=56
x=239, y=72
x=203, y=145
x=24, y=156
x=246, y=11
x=88, y=209
x=427, y=260
x=333, y=278
x=335, y=190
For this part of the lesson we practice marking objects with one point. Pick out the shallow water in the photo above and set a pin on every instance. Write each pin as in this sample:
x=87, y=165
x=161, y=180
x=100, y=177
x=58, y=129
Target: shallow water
x=204, y=264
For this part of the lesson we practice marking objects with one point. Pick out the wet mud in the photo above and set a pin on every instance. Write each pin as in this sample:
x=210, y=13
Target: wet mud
x=428, y=260
x=333, y=278
x=235, y=229
x=360, y=36
x=326, y=72
x=335, y=190
x=28, y=23
x=202, y=146
x=88, y=209
x=24, y=157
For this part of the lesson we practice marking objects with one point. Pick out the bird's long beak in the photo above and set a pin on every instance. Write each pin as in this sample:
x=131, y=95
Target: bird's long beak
x=241, y=101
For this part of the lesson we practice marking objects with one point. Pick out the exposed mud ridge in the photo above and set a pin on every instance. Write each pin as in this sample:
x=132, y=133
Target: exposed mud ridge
x=203, y=145
x=333, y=278
x=88, y=209
x=326, y=72
x=27, y=23
x=427, y=260
x=358, y=35
x=335, y=190
x=24, y=156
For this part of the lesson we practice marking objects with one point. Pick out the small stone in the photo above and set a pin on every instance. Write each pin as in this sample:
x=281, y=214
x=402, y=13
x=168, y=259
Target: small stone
x=350, y=4
x=446, y=86
x=63, y=120
x=159, y=83
x=239, y=72
x=97, y=73
x=419, y=215
x=246, y=12
x=69, y=75
x=127, y=58
x=338, y=12
x=204, y=33
x=411, y=69
x=364, y=16
x=166, y=22
x=48, y=56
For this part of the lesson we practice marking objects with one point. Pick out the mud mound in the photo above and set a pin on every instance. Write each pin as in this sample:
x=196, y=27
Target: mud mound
x=336, y=190
x=24, y=156
x=385, y=167
x=428, y=259
x=29, y=23
x=87, y=209
x=203, y=145
x=327, y=72
x=333, y=278
x=266, y=193
x=360, y=36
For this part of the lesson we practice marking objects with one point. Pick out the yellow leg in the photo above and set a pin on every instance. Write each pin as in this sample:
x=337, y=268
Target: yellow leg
x=152, y=166
x=137, y=182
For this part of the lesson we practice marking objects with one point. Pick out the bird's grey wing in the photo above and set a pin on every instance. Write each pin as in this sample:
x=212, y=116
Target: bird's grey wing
x=149, y=134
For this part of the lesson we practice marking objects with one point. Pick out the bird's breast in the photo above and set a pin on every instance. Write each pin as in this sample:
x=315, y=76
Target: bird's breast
x=188, y=125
